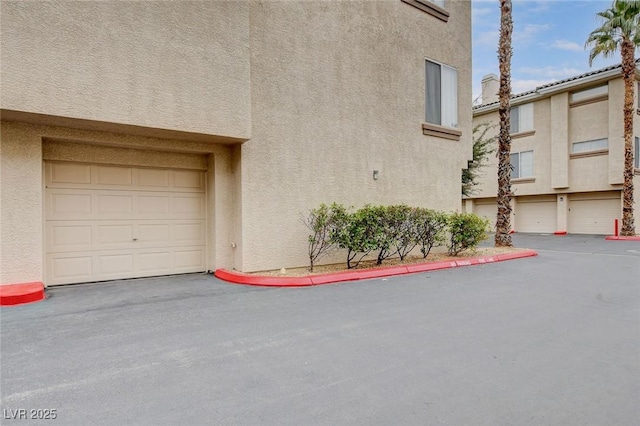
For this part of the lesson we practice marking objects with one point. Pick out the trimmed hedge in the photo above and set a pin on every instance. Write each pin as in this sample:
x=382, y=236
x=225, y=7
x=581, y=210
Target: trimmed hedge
x=389, y=231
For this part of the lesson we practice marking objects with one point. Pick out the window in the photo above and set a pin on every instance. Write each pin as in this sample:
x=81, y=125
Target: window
x=441, y=94
x=522, y=118
x=521, y=164
x=636, y=154
x=589, y=146
x=432, y=7
x=588, y=94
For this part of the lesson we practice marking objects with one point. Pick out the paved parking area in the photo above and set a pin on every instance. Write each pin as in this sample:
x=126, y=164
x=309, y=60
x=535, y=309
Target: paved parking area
x=553, y=340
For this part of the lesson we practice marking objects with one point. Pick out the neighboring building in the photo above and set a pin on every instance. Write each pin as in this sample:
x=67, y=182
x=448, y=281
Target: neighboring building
x=567, y=155
x=152, y=138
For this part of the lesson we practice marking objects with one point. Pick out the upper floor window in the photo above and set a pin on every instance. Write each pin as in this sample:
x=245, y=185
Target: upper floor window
x=590, y=146
x=432, y=7
x=522, y=118
x=593, y=93
x=521, y=164
x=441, y=94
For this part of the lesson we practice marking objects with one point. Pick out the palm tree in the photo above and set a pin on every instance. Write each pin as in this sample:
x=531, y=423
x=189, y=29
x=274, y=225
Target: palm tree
x=620, y=30
x=503, y=225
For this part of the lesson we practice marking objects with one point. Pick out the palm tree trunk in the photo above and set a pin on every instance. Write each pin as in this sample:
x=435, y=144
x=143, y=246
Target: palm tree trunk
x=503, y=225
x=628, y=74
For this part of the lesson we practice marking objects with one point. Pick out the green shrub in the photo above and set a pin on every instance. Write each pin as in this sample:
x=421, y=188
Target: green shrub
x=429, y=229
x=362, y=233
x=324, y=222
x=466, y=230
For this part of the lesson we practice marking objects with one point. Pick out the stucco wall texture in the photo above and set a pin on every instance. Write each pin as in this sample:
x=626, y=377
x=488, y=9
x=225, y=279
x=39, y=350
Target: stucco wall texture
x=343, y=98
x=169, y=65
x=323, y=93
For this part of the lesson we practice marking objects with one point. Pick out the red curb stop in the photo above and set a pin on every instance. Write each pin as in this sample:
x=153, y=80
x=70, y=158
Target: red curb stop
x=19, y=294
x=611, y=238
x=337, y=277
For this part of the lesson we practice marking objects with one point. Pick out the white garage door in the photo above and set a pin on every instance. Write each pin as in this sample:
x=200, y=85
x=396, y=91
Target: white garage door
x=111, y=222
x=488, y=210
x=535, y=215
x=593, y=216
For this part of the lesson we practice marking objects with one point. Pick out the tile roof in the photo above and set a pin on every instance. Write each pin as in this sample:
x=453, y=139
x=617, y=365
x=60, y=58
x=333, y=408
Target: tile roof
x=555, y=83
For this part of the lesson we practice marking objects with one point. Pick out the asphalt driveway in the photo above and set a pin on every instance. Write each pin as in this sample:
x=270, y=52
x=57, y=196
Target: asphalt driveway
x=552, y=340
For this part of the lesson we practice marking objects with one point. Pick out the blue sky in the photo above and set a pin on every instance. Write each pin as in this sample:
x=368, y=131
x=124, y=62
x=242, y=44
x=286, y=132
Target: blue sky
x=548, y=40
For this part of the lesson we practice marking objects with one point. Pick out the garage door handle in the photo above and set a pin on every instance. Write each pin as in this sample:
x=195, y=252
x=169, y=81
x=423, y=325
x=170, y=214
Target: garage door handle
x=135, y=239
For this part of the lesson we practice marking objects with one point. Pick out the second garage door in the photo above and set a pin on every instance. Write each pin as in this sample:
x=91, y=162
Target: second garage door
x=112, y=222
x=536, y=214
x=594, y=215
x=488, y=209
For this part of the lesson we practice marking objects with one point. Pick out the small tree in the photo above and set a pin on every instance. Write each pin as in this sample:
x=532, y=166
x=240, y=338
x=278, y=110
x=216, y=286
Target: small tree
x=482, y=147
x=324, y=223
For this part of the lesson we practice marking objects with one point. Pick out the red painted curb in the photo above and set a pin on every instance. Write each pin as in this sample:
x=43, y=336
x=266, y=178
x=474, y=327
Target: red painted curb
x=337, y=277
x=636, y=238
x=560, y=233
x=19, y=294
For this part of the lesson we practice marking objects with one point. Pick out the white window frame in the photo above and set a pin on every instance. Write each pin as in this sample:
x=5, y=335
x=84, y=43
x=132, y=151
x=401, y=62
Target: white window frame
x=522, y=118
x=593, y=145
x=585, y=95
x=517, y=172
x=439, y=3
x=442, y=111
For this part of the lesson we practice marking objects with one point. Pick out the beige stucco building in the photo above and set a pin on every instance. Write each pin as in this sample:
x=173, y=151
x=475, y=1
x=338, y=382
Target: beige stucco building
x=153, y=138
x=567, y=155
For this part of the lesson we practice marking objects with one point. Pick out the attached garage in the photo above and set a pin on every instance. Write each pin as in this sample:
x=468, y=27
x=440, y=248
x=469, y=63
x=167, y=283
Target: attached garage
x=536, y=214
x=594, y=213
x=105, y=222
x=487, y=208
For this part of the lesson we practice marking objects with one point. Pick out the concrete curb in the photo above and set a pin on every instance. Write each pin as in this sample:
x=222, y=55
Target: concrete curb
x=636, y=238
x=363, y=274
x=19, y=294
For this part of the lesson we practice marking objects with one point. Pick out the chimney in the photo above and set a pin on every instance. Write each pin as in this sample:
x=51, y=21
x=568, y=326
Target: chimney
x=490, y=87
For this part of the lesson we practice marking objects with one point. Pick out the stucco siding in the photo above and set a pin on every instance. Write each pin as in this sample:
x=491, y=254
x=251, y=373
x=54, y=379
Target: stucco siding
x=21, y=232
x=169, y=65
x=343, y=98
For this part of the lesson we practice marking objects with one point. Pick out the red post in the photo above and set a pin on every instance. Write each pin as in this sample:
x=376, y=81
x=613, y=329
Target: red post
x=615, y=227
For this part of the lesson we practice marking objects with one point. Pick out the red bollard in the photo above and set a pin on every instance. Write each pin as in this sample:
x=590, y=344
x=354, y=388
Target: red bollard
x=615, y=227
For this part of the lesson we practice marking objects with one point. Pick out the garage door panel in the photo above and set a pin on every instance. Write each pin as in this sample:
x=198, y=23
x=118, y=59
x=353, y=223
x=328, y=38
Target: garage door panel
x=153, y=178
x=536, y=216
x=100, y=231
x=107, y=175
x=488, y=211
x=188, y=179
x=62, y=204
x=68, y=236
x=188, y=206
x=189, y=259
x=69, y=173
x=110, y=264
x=158, y=205
x=110, y=234
x=70, y=269
x=155, y=262
x=595, y=216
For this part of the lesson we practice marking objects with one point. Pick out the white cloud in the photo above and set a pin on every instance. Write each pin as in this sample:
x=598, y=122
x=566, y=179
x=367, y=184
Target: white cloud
x=519, y=86
x=528, y=34
x=487, y=38
x=550, y=72
x=571, y=46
